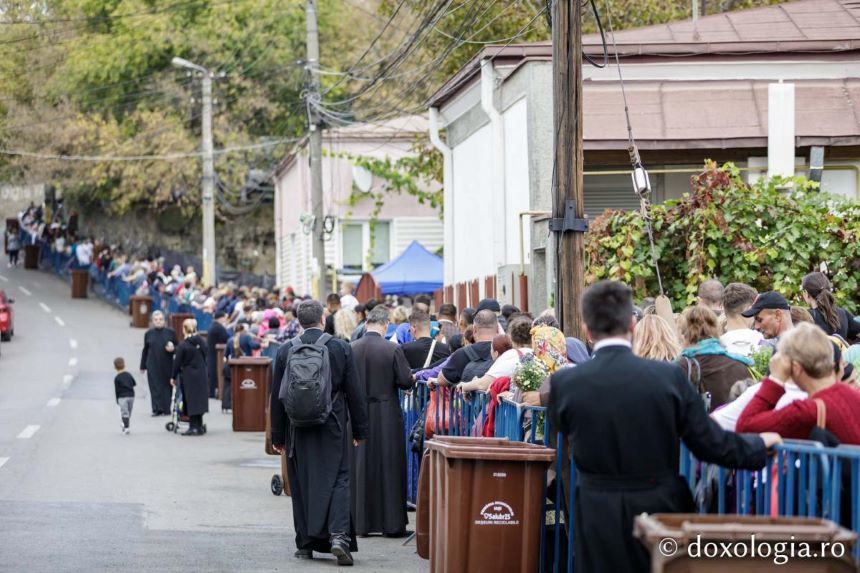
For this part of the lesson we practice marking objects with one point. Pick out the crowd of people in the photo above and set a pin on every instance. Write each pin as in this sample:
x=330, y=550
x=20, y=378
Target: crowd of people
x=738, y=360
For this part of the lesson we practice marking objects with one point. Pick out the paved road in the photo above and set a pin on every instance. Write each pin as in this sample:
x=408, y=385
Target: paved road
x=77, y=495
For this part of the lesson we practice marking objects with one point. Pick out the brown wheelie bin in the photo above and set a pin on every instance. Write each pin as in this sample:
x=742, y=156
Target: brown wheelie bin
x=176, y=320
x=80, y=281
x=250, y=383
x=694, y=543
x=141, y=310
x=31, y=257
x=486, y=500
x=219, y=360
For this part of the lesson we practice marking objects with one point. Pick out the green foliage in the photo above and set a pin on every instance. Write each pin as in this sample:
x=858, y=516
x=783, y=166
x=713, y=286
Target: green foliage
x=767, y=235
x=417, y=175
x=761, y=361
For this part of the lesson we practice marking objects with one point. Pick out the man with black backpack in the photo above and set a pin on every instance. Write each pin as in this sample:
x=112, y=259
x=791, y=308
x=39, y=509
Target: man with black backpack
x=315, y=383
x=473, y=361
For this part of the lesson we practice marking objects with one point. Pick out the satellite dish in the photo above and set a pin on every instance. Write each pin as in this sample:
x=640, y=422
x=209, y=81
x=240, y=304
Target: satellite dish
x=362, y=178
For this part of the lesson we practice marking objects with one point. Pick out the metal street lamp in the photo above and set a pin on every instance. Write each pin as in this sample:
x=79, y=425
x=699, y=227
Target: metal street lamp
x=208, y=193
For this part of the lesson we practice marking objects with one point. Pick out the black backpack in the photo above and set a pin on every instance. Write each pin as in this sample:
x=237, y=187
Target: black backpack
x=306, y=385
x=477, y=366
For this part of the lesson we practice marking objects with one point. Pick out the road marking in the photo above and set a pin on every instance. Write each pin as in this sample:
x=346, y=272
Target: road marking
x=3, y=461
x=5, y=280
x=67, y=380
x=24, y=290
x=60, y=322
x=53, y=402
x=73, y=343
x=28, y=432
x=73, y=361
x=45, y=307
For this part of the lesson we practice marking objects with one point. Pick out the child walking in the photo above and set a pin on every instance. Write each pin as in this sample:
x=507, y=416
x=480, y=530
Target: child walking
x=124, y=386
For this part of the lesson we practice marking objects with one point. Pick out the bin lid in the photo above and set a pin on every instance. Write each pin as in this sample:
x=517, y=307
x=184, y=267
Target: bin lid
x=492, y=449
x=686, y=526
x=249, y=360
x=220, y=346
x=140, y=297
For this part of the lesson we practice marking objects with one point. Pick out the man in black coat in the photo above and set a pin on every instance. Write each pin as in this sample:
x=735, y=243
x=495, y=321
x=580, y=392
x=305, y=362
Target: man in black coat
x=318, y=456
x=418, y=352
x=217, y=335
x=625, y=417
x=379, y=473
x=156, y=361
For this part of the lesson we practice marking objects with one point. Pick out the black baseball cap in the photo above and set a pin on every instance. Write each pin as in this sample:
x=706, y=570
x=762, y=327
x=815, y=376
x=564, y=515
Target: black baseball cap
x=489, y=304
x=769, y=300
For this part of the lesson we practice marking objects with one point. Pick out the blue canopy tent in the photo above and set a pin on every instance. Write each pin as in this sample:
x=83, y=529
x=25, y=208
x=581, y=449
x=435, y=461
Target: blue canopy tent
x=415, y=271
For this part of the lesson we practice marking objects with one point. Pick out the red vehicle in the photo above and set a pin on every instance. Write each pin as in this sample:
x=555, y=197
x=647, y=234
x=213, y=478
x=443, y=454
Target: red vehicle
x=7, y=324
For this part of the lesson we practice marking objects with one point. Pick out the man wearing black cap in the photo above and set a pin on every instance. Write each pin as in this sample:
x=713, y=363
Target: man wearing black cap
x=492, y=304
x=772, y=316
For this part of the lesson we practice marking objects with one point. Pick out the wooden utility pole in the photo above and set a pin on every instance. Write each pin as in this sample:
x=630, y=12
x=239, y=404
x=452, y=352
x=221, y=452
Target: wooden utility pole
x=315, y=148
x=568, y=223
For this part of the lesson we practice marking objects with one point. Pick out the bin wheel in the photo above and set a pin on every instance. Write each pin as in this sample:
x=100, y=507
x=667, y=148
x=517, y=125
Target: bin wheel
x=277, y=485
x=170, y=426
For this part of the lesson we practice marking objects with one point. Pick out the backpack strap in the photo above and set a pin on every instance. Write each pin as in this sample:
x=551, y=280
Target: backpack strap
x=323, y=340
x=821, y=419
x=430, y=354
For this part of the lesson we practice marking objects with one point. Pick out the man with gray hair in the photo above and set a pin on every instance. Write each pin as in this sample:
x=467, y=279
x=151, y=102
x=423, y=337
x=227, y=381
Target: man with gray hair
x=379, y=466
x=474, y=360
x=319, y=455
x=156, y=361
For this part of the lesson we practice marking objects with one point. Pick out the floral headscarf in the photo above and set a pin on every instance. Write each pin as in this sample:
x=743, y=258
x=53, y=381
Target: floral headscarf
x=550, y=346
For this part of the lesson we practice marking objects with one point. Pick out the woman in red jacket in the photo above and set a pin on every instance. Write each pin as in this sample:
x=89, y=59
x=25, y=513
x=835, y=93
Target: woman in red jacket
x=805, y=355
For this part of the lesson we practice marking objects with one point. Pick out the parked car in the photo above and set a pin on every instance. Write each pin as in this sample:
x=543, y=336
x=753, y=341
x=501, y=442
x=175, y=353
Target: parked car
x=7, y=322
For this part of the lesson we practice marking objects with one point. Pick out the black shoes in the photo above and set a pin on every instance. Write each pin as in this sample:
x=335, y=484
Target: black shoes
x=304, y=554
x=340, y=549
x=401, y=535
x=192, y=432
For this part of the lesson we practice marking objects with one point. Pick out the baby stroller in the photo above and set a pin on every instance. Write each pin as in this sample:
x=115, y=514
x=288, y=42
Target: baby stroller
x=177, y=416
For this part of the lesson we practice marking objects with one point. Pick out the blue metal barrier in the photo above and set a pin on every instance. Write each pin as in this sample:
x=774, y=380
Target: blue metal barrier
x=522, y=423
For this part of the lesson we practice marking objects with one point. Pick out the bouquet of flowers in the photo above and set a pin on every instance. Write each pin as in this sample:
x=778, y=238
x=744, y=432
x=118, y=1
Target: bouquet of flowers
x=761, y=359
x=530, y=374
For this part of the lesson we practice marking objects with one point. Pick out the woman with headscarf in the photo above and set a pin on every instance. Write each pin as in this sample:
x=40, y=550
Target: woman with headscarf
x=156, y=361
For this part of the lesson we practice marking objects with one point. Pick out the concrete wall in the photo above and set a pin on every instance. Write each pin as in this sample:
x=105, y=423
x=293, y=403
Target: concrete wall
x=16, y=198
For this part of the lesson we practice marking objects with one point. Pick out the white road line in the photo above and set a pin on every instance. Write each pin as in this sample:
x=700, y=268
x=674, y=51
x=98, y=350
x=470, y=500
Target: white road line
x=45, y=307
x=24, y=290
x=5, y=280
x=60, y=322
x=3, y=461
x=73, y=343
x=67, y=380
x=28, y=432
x=53, y=402
x=73, y=361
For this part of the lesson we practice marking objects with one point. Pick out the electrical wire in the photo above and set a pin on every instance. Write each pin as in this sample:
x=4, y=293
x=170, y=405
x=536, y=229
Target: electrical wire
x=635, y=159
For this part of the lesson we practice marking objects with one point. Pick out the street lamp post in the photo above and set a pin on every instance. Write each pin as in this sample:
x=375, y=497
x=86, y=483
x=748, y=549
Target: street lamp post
x=208, y=191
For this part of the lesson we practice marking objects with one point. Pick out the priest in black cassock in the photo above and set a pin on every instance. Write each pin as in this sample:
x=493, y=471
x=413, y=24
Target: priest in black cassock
x=379, y=465
x=319, y=456
x=156, y=360
x=625, y=417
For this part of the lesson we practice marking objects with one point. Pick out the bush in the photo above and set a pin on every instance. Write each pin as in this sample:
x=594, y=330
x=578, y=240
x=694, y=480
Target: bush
x=767, y=235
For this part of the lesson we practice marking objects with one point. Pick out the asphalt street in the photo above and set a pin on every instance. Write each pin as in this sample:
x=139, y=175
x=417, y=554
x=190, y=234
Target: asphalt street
x=78, y=495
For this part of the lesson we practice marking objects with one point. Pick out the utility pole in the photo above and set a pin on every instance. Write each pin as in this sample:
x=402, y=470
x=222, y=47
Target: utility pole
x=568, y=223
x=208, y=183
x=315, y=146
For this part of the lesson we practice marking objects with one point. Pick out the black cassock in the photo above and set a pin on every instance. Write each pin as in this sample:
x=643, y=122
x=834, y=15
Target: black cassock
x=379, y=465
x=318, y=464
x=217, y=335
x=625, y=417
x=158, y=364
x=191, y=364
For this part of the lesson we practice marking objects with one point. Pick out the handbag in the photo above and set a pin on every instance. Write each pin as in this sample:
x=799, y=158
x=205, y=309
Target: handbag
x=697, y=381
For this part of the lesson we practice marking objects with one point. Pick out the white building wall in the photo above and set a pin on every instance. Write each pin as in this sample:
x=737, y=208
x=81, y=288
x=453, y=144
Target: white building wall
x=472, y=241
x=516, y=178
x=428, y=231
